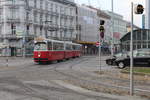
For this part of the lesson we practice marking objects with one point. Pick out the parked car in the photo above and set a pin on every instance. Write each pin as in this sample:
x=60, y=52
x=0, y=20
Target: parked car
x=140, y=57
x=111, y=60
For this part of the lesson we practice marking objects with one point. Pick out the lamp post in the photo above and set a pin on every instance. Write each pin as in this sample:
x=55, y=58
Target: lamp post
x=27, y=27
x=112, y=22
x=138, y=10
x=4, y=33
x=131, y=50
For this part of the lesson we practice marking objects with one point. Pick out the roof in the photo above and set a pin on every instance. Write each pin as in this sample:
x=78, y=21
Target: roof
x=100, y=13
x=65, y=2
x=129, y=25
x=127, y=36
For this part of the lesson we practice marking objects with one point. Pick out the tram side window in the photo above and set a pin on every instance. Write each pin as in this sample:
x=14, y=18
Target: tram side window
x=58, y=46
x=68, y=47
x=49, y=45
x=76, y=47
x=73, y=47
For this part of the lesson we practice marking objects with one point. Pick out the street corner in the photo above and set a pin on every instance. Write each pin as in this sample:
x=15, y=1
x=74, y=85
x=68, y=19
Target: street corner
x=12, y=96
x=90, y=92
x=6, y=67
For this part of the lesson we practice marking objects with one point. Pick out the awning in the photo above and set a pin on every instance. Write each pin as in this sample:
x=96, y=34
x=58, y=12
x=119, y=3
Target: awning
x=86, y=42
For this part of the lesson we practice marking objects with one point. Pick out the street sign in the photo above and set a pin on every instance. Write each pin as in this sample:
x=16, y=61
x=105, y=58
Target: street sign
x=97, y=44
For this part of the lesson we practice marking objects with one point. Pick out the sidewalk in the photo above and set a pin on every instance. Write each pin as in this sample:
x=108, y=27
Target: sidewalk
x=15, y=61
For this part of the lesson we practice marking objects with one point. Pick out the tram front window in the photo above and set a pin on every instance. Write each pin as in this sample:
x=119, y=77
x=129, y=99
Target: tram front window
x=40, y=46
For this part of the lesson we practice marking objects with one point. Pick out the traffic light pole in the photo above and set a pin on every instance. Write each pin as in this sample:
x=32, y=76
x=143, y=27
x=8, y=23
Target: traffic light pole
x=131, y=56
x=112, y=22
x=99, y=54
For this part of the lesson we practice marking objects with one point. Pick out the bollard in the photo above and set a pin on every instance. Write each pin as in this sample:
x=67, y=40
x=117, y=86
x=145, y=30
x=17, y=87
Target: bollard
x=6, y=62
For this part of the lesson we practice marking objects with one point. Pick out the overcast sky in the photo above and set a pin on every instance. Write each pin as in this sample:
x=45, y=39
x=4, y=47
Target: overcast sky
x=122, y=7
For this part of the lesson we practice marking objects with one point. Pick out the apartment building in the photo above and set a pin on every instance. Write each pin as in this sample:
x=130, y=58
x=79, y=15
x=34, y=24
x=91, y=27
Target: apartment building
x=87, y=23
x=23, y=20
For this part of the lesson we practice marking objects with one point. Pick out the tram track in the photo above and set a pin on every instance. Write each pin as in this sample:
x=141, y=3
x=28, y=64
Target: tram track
x=77, y=74
x=84, y=80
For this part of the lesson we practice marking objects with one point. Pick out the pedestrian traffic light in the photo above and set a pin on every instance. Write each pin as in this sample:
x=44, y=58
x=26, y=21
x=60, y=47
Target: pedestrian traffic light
x=139, y=9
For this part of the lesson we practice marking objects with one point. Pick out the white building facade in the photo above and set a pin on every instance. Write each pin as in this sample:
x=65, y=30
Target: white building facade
x=147, y=15
x=88, y=24
x=119, y=26
x=21, y=22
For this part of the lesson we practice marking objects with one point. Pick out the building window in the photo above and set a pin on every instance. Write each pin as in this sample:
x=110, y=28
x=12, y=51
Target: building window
x=35, y=3
x=35, y=17
x=56, y=8
x=46, y=6
x=51, y=7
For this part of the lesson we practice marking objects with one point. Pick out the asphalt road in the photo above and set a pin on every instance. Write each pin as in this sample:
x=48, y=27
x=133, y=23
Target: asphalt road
x=25, y=80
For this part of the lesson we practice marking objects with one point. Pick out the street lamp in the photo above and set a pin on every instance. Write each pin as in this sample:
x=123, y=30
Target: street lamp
x=112, y=22
x=138, y=10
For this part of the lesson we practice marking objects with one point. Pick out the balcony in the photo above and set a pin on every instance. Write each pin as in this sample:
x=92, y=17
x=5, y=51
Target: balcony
x=71, y=28
x=16, y=37
x=64, y=16
x=62, y=27
x=71, y=17
x=11, y=36
x=52, y=27
x=9, y=20
x=54, y=14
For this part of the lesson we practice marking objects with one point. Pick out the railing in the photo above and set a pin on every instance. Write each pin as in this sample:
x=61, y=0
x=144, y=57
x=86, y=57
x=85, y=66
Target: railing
x=9, y=20
x=15, y=36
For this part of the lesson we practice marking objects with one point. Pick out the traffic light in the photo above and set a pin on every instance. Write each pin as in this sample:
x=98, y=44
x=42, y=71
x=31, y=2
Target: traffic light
x=28, y=27
x=139, y=9
x=102, y=22
x=13, y=28
x=102, y=29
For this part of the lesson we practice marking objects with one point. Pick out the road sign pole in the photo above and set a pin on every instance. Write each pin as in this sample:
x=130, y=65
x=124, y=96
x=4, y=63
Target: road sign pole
x=131, y=56
x=112, y=22
x=99, y=54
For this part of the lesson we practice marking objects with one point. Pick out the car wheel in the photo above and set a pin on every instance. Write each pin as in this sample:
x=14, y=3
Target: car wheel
x=121, y=65
x=109, y=63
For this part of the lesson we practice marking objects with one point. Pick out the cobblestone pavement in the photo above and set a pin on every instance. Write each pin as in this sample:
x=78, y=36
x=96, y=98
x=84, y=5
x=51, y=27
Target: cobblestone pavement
x=25, y=80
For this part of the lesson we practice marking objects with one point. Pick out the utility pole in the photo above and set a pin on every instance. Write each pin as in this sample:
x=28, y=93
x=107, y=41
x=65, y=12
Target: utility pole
x=5, y=37
x=112, y=22
x=138, y=10
x=27, y=27
x=131, y=50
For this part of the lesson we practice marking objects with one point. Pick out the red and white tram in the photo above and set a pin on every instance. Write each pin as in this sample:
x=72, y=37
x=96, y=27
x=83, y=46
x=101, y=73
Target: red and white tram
x=47, y=50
